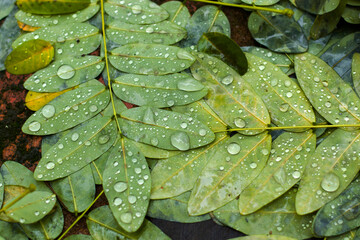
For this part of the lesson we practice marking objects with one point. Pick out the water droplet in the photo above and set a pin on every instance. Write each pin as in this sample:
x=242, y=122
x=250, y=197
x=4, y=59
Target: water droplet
x=120, y=186
x=40, y=176
x=59, y=51
x=154, y=141
x=149, y=116
x=343, y=107
x=233, y=148
x=117, y=201
x=48, y=111
x=296, y=174
x=170, y=103
x=136, y=9
x=351, y=209
x=50, y=165
x=75, y=137
x=34, y=126
x=284, y=107
x=261, y=67
x=93, y=108
x=183, y=125
x=227, y=80
x=280, y=176
x=287, y=83
x=202, y=132
x=104, y=139
x=330, y=183
x=126, y=217
x=22, y=220
x=37, y=213
x=60, y=39
x=65, y=72
x=55, y=21
x=181, y=141
x=253, y=165
x=289, y=94
x=149, y=30
x=328, y=104
x=182, y=54
x=132, y=199
x=265, y=152
x=239, y=122
x=61, y=146
x=190, y=85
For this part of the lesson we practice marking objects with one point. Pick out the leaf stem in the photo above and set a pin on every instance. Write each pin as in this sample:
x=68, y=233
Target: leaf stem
x=31, y=188
x=82, y=215
x=107, y=65
x=288, y=12
x=289, y=127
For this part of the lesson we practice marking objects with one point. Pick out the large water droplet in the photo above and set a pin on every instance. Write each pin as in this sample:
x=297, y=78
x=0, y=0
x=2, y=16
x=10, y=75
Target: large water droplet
x=126, y=217
x=117, y=201
x=120, y=186
x=74, y=137
x=136, y=9
x=181, y=141
x=239, y=122
x=182, y=54
x=149, y=30
x=343, y=107
x=296, y=174
x=189, y=85
x=253, y=165
x=330, y=183
x=132, y=199
x=227, y=80
x=48, y=111
x=233, y=148
x=65, y=72
x=280, y=176
x=202, y=132
x=50, y=165
x=34, y=126
x=284, y=107
x=103, y=139
x=93, y=108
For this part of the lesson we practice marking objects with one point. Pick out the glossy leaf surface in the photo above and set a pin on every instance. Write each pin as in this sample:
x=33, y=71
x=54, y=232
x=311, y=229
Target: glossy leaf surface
x=6, y=6
x=230, y=170
x=127, y=184
x=284, y=169
x=245, y=110
x=279, y=218
x=135, y=11
x=260, y=2
x=283, y=98
x=277, y=32
x=355, y=72
x=174, y=209
x=317, y=7
x=329, y=171
x=223, y=47
x=341, y=214
x=11, y=231
x=29, y=57
x=68, y=109
x=165, y=32
x=159, y=91
x=34, y=100
x=150, y=59
x=331, y=97
x=69, y=39
x=12, y=193
x=98, y=167
x=65, y=73
x=150, y=151
x=52, y=6
x=178, y=12
x=351, y=15
x=76, y=191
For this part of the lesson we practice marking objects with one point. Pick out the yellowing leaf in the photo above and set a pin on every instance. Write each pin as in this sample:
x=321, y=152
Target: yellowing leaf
x=34, y=100
x=26, y=28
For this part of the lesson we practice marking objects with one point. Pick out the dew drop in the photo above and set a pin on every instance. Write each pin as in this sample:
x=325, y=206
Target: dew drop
x=65, y=72
x=154, y=141
x=239, y=122
x=284, y=107
x=202, y=132
x=37, y=213
x=351, y=209
x=149, y=116
x=227, y=80
x=233, y=148
x=182, y=54
x=330, y=183
x=103, y=139
x=265, y=151
x=181, y=141
x=253, y=165
x=328, y=104
x=40, y=176
x=136, y=9
x=296, y=174
x=289, y=94
x=34, y=126
x=117, y=201
x=132, y=199
x=149, y=30
x=183, y=125
x=343, y=107
x=280, y=176
x=120, y=186
x=126, y=217
x=48, y=111
x=22, y=220
x=93, y=108
x=50, y=165
x=170, y=103
x=60, y=39
x=74, y=137
x=189, y=85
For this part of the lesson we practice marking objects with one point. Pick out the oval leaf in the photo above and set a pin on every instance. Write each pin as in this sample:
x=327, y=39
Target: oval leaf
x=355, y=72
x=127, y=183
x=317, y=7
x=150, y=59
x=52, y=6
x=178, y=13
x=11, y=231
x=329, y=171
x=260, y=2
x=230, y=170
x=164, y=129
x=29, y=57
x=351, y=15
x=164, y=32
x=158, y=91
x=153, y=152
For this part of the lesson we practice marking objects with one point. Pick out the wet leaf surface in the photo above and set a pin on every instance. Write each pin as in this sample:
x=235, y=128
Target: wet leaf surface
x=317, y=7
x=355, y=72
x=6, y=7
x=34, y=100
x=351, y=15
x=52, y=6
x=11, y=231
x=178, y=12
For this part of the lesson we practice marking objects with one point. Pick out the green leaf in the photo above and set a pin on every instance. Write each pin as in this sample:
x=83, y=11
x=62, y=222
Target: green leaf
x=49, y=227
x=153, y=152
x=53, y=20
x=230, y=170
x=221, y=46
x=2, y=186
x=127, y=185
x=277, y=32
x=164, y=32
x=77, y=148
x=326, y=23
x=245, y=110
x=68, y=109
x=76, y=191
x=353, y=2
x=174, y=209
x=79, y=237
x=316, y=7
x=65, y=73
x=135, y=11
x=164, y=129
x=351, y=235
x=178, y=13
x=158, y=91
x=98, y=167
x=6, y=6
x=351, y=15
x=278, y=218
x=208, y=18
x=52, y=6
x=283, y=170
x=68, y=39
x=260, y=2
x=102, y=225
x=32, y=207
x=29, y=57
x=12, y=193
x=341, y=214
x=264, y=237
x=329, y=171
x=355, y=72
x=331, y=97
x=150, y=59
x=11, y=231
x=283, y=98
x=339, y=55
x=16, y=174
